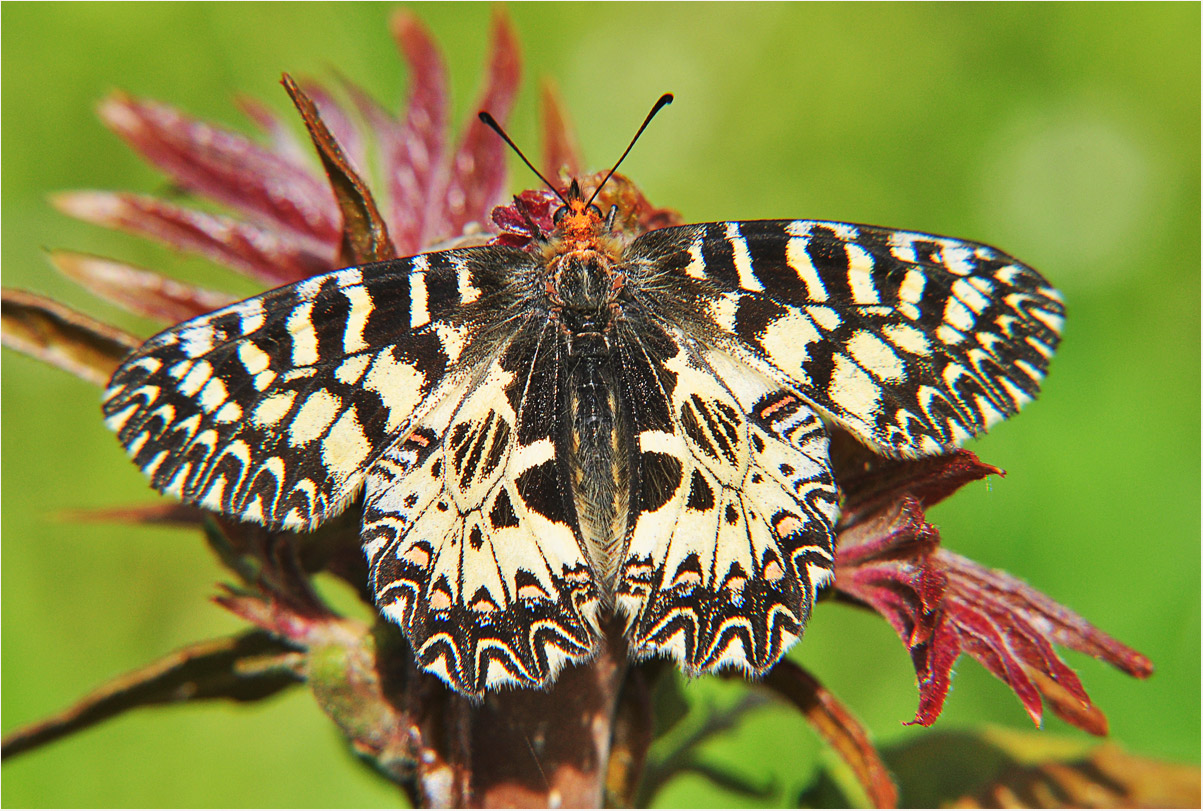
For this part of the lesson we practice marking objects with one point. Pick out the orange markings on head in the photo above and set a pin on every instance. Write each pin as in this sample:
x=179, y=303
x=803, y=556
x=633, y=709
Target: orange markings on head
x=578, y=219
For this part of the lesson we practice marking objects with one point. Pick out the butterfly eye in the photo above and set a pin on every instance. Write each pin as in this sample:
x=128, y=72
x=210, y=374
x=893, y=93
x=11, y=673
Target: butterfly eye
x=595, y=211
x=559, y=214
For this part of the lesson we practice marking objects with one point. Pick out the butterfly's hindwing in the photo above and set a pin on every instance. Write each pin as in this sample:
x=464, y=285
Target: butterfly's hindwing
x=471, y=543
x=913, y=342
x=725, y=554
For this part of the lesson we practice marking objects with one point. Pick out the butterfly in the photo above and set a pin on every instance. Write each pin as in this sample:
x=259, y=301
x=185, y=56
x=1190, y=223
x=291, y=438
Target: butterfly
x=593, y=425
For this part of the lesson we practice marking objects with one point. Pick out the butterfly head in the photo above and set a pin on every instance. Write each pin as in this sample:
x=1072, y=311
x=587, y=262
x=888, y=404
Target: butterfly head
x=578, y=218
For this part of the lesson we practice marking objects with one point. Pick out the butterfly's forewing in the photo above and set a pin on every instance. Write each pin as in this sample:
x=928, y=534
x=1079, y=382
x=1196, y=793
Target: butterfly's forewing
x=469, y=530
x=734, y=508
x=911, y=341
x=272, y=409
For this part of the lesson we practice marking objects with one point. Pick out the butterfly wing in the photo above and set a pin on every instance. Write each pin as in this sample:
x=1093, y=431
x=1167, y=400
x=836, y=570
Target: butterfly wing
x=734, y=508
x=469, y=530
x=272, y=409
x=911, y=341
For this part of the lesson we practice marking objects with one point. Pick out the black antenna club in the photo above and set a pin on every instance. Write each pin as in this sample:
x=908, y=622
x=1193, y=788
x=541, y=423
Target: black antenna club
x=661, y=103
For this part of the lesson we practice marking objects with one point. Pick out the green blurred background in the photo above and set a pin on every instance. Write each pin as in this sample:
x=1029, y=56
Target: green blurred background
x=1065, y=134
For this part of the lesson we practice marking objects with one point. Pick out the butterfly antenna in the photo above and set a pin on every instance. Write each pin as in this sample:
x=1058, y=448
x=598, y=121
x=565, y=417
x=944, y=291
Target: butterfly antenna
x=492, y=124
x=662, y=102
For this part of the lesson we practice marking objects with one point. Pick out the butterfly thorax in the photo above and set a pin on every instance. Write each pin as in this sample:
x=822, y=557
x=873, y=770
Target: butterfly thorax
x=582, y=255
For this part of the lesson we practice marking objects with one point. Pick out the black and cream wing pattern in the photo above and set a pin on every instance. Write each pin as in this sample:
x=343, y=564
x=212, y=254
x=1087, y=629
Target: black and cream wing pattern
x=273, y=409
x=597, y=425
x=911, y=341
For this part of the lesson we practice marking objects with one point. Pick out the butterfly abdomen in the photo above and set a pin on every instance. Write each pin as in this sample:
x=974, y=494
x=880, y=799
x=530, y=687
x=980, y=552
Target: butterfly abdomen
x=598, y=460
x=596, y=426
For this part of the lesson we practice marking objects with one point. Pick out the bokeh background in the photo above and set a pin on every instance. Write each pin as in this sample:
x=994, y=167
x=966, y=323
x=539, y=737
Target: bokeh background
x=1065, y=134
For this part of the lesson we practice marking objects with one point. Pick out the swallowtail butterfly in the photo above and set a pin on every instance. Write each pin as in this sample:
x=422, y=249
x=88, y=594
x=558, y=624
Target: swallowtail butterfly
x=591, y=425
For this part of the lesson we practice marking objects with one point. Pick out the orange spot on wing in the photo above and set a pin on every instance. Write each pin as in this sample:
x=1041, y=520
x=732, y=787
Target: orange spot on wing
x=485, y=607
x=417, y=556
x=788, y=524
x=532, y=592
x=768, y=410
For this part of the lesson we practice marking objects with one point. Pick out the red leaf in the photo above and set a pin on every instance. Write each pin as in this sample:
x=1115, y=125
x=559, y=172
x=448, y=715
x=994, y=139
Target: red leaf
x=138, y=291
x=880, y=481
x=263, y=254
x=533, y=206
x=414, y=154
x=478, y=170
x=561, y=154
x=1058, y=623
x=226, y=167
x=1028, y=623
x=941, y=604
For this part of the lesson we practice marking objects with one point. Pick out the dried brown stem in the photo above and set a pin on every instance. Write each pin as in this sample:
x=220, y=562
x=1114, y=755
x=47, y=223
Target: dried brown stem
x=839, y=727
x=365, y=236
x=243, y=668
x=62, y=337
